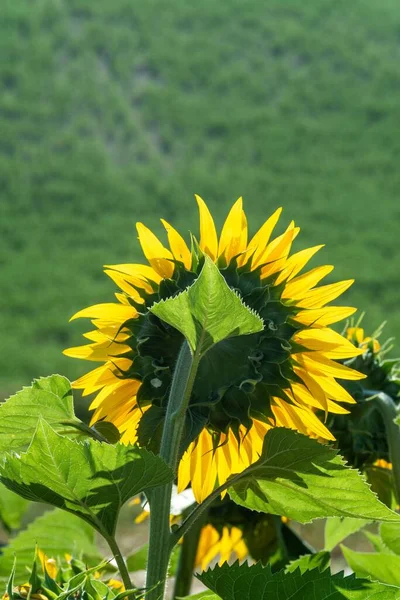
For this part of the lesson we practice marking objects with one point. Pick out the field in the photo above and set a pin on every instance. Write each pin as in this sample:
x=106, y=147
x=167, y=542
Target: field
x=115, y=112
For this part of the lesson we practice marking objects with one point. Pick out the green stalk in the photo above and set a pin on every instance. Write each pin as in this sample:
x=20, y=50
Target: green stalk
x=160, y=541
x=122, y=568
x=389, y=412
x=187, y=558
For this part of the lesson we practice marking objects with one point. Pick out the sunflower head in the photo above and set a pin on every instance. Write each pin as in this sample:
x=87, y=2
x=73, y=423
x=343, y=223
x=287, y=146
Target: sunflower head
x=245, y=385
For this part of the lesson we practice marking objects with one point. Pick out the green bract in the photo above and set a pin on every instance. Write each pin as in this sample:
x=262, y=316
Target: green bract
x=196, y=312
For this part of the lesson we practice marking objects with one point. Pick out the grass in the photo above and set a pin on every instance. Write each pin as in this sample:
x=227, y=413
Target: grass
x=113, y=112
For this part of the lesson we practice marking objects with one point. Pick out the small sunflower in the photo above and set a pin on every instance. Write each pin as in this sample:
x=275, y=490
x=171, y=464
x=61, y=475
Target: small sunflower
x=357, y=336
x=245, y=385
x=225, y=546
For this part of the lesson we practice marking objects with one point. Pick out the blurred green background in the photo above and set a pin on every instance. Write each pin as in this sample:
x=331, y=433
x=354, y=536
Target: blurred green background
x=114, y=112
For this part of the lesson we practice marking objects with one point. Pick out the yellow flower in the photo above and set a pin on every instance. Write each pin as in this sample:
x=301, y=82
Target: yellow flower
x=383, y=464
x=49, y=565
x=115, y=584
x=356, y=335
x=212, y=544
x=23, y=591
x=245, y=385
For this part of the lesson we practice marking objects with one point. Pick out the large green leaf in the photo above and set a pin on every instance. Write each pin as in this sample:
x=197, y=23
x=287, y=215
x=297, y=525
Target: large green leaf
x=297, y=477
x=390, y=534
x=12, y=508
x=256, y=582
x=55, y=533
x=338, y=529
x=380, y=566
x=91, y=479
x=208, y=312
x=48, y=397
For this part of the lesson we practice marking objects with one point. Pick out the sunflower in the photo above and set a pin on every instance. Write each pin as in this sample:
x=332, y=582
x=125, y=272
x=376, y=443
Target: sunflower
x=357, y=336
x=226, y=545
x=245, y=385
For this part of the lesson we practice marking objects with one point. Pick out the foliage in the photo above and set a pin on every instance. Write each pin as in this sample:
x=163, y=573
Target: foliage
x=299, y=478
x=245, y=583
x=90, y=479
x=337, y=529
x=56, y=533
x=113, y=110
x=383, y=564
x=12, y=508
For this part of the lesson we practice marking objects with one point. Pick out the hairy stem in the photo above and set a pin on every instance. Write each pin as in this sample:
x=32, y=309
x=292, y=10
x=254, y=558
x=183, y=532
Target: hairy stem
x=187, y=558
x=160, y=498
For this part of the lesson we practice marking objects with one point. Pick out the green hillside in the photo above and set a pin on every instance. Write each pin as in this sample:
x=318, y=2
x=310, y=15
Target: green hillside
x=113, y=112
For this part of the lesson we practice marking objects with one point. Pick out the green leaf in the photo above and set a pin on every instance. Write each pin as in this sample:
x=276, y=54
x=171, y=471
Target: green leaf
x=380, y=566
x=304, y=480
x=91, y=479
x=49, y=397
x=256, y=582
x=201, y=596
x=138, y=560
x=381, y=481
x=375, y=541
x=390, y=534
x=55, y=533
x=338, y=529
x=208, y=311
x=308, y=562
x=12, y=508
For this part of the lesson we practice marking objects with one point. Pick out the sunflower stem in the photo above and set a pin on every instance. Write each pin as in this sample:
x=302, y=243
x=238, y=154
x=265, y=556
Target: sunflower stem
x=187, y=558
x=160, y=498
x=389, y=412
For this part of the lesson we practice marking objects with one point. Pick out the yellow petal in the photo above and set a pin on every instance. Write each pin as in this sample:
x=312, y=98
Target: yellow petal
x=159, y=257
x=278, y=248
x=334, y=390
x=325, y=340
x=184, y=469
x=318, y=363
x=105, y=375
x=202, y=467
x=300, y=419
x=139, y=275
x=178, y=245
x=302, y=396
x=259, y=241
x=311, y=384
x=296, y=262
x=117, y=313
x=111, y=334
x=320, y=317
x=208, y=234
x=355, y=332
x=125, y=286
x=298, y=286
x=318, y=297
x=233, y=238
x=97, y=352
